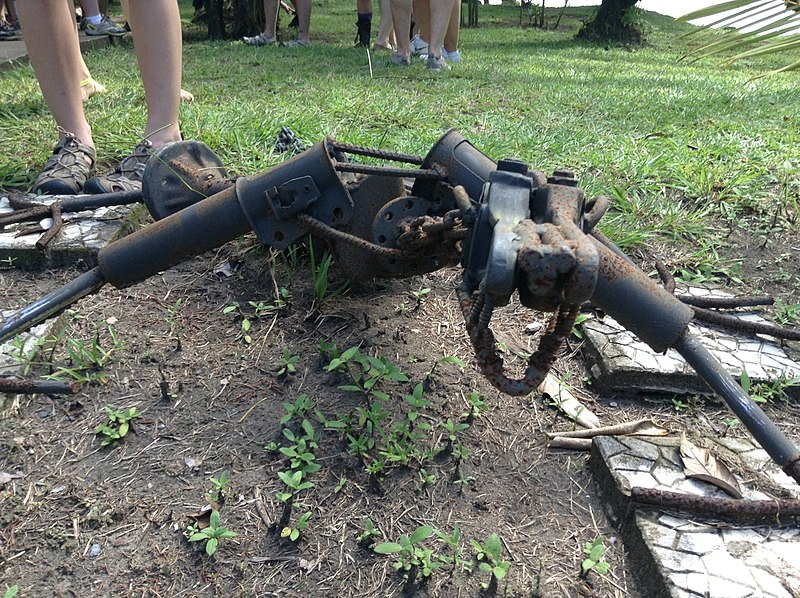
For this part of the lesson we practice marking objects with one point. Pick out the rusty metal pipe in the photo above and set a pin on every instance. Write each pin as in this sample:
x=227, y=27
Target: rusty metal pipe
x=763, y=429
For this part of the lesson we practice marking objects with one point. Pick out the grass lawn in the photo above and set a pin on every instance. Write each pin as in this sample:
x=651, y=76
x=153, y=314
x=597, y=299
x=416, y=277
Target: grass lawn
x=677, y=146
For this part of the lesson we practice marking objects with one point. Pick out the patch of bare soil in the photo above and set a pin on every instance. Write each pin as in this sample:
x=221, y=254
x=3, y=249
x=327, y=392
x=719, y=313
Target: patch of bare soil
x=85, y=519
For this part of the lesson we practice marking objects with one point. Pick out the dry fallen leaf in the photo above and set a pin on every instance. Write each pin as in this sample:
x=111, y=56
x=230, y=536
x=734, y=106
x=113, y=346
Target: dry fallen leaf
x=6, y=477
x=566, y=402
x=700, y=464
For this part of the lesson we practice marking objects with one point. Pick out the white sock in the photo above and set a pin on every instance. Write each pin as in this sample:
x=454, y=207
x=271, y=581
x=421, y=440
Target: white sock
x=95, y=20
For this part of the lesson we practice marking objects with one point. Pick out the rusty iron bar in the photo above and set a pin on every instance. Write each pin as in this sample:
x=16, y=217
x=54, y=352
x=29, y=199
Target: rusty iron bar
x=55, y=227
x=328, y=232
x=726, y=302
x=740, y=325
x=413, y=173
x=666, y=276
x=762, y=428
x=28, y=386
x=373, y=152
x=25, y=210
x=723, y=508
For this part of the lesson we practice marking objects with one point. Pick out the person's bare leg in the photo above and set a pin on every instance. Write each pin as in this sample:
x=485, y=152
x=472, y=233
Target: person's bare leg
x=422, y=12
x=89, y=8
x=440, y=17
x=453, y=28
x=156, y=29
x=303, y=19
x=386, y=27
x=401, y=16
x=271, y=17
x=55, y=54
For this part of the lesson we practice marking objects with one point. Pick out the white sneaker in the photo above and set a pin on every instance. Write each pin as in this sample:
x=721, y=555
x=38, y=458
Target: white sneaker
x=454, y=56
x=418, y=46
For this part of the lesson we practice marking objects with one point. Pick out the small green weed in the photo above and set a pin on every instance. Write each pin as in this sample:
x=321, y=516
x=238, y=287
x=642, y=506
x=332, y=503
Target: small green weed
x=288, y=365
x=489, y=556
x=370, y=533
x=412, y=560
x=595, y=557
x=11, y=592
x=293, y=533
x=117, y=424
x=320, y=276
x=86, y=360
x=212, y=534
x=221, y=486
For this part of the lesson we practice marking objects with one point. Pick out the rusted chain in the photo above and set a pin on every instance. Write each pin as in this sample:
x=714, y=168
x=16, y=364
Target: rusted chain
x=723, y=508
x=372, y=152
x=328, y=232
x=477, y=311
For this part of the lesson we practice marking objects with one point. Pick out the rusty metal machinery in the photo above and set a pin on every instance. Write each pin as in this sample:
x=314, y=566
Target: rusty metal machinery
x=512, y=229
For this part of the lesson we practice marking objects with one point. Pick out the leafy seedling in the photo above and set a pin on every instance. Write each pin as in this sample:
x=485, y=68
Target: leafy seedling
x=117, y=424
x=212, y=534
x=595, y=557
x=411, y=560
x=288, y=364
x=489, y=556
x=221, y=486
x=293, y=533
x=370, y=533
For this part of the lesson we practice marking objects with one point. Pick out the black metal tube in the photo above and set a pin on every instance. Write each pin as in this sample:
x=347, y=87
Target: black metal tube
x=771, y=439
x=51, y=304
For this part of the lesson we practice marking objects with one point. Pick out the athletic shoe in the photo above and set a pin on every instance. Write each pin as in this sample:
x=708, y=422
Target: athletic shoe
x=437, y=64
x=67, y=169
x=454, y=56
x=127, y=176
x=400, y=60
x=260, y=40
x=296, y=43
x=105, y=27
x=418, y=46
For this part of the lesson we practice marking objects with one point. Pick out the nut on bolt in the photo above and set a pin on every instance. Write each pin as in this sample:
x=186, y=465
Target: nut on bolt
x=563, y=176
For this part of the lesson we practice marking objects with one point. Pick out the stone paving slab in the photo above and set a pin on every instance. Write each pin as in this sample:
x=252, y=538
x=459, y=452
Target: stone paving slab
x=685, y=556
x=620, y=361
x=82, y=236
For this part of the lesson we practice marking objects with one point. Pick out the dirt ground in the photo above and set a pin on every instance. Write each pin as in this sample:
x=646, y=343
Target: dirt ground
x=87, y=520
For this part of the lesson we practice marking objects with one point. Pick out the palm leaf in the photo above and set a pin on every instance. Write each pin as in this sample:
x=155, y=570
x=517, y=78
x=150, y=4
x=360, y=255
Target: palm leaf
x=764, y=20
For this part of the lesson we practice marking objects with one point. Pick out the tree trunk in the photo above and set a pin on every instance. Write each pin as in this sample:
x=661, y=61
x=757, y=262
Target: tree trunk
x=612, y=23
x=216, y=22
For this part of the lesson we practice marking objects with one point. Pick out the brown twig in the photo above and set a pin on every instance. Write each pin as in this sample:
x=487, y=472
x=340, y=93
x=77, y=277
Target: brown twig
x=55, y=227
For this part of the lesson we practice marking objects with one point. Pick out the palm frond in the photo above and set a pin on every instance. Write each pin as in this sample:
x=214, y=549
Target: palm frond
x=749, y=23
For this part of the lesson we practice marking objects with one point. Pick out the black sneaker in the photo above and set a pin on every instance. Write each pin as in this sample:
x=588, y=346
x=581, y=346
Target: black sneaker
x=66, y=171
x=127, y=176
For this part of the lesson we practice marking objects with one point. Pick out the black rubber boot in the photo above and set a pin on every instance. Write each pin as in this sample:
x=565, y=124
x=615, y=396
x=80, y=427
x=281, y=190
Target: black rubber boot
x=364, y=33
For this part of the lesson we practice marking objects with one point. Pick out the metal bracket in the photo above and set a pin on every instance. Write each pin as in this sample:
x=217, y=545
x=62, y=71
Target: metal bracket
x=292, y=197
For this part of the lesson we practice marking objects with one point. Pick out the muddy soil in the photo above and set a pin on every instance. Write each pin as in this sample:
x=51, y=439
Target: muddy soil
x=219, y=397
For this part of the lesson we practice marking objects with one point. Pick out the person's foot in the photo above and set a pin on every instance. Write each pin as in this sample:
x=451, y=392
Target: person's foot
x=89, y=87
x=454, y=56
x=8, y=33
x=296, y=43
x=127, y=176
x=187, y=96
x=260, y=40
x=436, y=65
x=67, y=169
x=381, y=46
x=400, y=60
x=418, y=46
x=105, y=27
